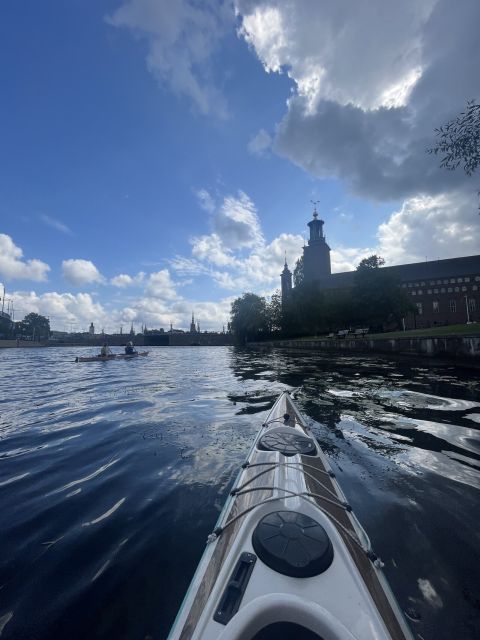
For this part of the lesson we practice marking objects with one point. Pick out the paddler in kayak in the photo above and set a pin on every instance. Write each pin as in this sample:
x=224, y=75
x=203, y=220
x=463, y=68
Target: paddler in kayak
x=105, y=350
x=129, y=348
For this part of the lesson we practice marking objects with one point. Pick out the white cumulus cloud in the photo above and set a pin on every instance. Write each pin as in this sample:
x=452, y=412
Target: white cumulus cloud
x=431, y=227
x=161, y=286
x=14, y=267
x=124, y=280
x=80, y=272
x=63, y=309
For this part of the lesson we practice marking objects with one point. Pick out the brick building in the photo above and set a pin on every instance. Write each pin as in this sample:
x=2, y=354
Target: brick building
x=443, y=291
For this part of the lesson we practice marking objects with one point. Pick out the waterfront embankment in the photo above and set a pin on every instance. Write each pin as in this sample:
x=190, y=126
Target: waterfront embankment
x=5, y=344
x=457, y=348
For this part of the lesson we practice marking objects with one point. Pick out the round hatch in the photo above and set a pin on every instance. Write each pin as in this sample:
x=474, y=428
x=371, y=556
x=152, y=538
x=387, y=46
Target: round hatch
x=292, y=544
x=288, y=443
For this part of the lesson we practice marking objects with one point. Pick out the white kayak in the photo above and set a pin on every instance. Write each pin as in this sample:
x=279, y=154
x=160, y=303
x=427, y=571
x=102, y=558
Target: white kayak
x=111, y=356
x=288, y=558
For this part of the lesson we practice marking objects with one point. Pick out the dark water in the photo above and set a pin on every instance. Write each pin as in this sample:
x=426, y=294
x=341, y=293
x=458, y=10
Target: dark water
x=113, y=474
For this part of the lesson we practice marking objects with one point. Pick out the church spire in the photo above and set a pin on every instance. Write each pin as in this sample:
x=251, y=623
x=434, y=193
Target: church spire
x=286, y=280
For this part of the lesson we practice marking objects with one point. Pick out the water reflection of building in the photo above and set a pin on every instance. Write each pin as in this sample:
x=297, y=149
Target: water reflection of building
x=443, y=291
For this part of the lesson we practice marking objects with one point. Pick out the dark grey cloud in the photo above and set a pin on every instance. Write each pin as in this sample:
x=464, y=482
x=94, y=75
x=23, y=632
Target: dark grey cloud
x=341, y=122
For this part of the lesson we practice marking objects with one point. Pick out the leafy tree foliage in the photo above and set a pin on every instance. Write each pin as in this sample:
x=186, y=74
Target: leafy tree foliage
x=35, y=326
x=274, y=312
x=459, y=140
x=375, y=300
x=378, y=297
x=298, y=272
x=248, y=317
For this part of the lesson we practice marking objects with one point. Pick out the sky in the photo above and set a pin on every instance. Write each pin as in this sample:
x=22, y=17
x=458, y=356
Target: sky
x=159, y=157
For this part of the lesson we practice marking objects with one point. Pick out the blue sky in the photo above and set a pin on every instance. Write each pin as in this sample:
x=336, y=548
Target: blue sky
x=159, y=157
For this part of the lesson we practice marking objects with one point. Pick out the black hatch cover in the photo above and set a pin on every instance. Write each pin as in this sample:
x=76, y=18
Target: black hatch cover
x=292, y=544
x=287, y=443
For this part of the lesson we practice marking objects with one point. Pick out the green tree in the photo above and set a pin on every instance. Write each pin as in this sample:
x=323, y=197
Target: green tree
x=378, y=297
x=298, y=272
x=274, y=312
x=459, y=141
x=36, y=326
x=248, y=317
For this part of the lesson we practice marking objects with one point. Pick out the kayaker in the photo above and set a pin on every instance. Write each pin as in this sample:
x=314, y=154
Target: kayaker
x=105, y=350
x=129, y=348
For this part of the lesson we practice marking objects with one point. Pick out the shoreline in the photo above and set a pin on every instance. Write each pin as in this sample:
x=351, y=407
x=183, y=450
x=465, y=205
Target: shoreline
x=454, y=350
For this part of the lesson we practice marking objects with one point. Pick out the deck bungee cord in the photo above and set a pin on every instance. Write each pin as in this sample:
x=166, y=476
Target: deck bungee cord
x=272, y=466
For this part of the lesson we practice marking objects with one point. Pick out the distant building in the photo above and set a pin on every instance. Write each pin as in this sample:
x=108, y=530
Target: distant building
x=132, y=330
x=443, y=291
x=91, y=329
x=193, y=328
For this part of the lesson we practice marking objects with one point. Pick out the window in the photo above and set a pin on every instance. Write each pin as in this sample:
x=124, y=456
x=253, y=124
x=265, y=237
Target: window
x=453, y=306
x=474, y=288
x=477, y=278
x=419, y=308
x=471, y=304
x=403, y=286
x=409, y=284
x=457, y=289
x=459, y=279
x=420, y=292
x=415, y=284
x=464, y=288
x=429, y=291
x=450, y=289
x=466, y=279
x=435, y=291
x=445, y=281
x=452, y=280
x=432, y=282
x=436, y=306
x=422, y=284
x=442, y=290
x=414, y=293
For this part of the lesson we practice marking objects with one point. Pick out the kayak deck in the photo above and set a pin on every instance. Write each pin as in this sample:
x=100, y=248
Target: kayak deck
x=112, y=356
x=352, y=592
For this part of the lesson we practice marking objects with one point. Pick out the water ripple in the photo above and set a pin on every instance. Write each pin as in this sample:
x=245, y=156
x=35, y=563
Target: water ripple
x=113, y=474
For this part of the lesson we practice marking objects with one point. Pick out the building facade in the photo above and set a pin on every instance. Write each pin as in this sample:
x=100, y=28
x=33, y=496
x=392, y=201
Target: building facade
x=444, y=292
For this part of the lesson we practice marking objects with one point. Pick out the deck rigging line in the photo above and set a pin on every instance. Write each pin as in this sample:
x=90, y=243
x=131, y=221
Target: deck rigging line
x=306, y=495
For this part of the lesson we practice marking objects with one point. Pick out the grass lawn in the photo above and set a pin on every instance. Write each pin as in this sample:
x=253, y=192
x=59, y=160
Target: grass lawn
x=450, y=330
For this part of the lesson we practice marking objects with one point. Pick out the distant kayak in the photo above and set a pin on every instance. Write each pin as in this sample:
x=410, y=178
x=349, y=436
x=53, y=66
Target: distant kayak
x=112, y=356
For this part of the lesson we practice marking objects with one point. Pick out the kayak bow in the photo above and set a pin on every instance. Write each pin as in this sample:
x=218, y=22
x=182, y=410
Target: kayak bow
x=288, y=558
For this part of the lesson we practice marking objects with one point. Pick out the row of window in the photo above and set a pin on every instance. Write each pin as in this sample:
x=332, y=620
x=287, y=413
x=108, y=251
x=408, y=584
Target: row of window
x=452, y=305
x=444, y=281
x=443, y=290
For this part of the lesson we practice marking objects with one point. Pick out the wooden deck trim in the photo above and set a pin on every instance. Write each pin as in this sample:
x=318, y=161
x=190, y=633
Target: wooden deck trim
x=362, y=562
x=223, y=546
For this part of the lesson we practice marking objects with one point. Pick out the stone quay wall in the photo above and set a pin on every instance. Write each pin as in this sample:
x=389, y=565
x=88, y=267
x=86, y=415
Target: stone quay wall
x=457, y=348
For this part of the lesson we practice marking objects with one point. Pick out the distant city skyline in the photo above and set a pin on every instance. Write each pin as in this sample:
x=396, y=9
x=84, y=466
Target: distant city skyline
x=160, y=157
